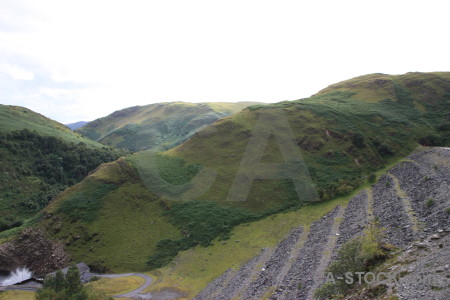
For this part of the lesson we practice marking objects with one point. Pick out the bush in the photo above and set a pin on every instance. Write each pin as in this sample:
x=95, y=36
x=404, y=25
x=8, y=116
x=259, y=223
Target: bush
x=86, y=204
x=372, y=178
x=200, y=222
x=429, y=202
x=358, y=140
x=357, y=255
x=430, y=140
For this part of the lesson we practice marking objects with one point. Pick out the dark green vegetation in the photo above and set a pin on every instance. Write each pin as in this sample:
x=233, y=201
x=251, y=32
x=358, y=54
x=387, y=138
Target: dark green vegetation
x=86, y=204
x=39, y=158
x=357, y=255
x=66, y=287
x=158, y=126
x=344, y=134
x=201, y=222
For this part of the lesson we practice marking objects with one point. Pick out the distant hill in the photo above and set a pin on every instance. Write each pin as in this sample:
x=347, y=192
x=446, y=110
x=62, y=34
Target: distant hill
x=39, y=158
x=159, y=126
x=123, y=215
x=76, y=125
x=18, y=118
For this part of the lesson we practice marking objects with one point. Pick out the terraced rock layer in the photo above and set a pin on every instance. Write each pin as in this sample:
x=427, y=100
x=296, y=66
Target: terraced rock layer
x=400, y=200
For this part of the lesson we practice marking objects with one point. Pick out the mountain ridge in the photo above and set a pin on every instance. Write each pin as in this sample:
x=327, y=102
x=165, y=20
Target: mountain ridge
x=343, y=141
x=157, y=126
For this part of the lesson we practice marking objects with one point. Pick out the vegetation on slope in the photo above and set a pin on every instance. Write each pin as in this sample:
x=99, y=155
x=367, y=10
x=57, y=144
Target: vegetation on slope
x=13, y=118
x=343, y=137
x=117, y=222
x=36, y=167
x=158, y=126
x=360, y=254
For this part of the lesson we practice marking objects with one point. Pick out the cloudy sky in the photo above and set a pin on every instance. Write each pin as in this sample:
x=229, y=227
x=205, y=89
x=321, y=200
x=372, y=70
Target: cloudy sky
x=80, y=60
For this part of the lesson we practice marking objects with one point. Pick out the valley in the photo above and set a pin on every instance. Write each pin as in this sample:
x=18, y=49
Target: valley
x=369, y=150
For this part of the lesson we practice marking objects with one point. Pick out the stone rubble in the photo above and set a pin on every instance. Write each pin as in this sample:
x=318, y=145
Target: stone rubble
x=424, y=175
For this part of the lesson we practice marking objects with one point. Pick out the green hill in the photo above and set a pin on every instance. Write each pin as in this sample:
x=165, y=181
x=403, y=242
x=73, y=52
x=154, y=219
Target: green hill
x=157, y=126
x=125, y=216
x=17, y=118
x=40, y=158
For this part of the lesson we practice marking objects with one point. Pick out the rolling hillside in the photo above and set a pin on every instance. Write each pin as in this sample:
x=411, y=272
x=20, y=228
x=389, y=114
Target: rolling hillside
x=157, y=126
x=40, y=158
x=126, y=214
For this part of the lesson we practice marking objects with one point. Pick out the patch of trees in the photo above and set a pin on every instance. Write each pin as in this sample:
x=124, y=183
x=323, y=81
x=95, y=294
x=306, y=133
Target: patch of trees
x=201, y=223
x=57, y=163
x=66, y=287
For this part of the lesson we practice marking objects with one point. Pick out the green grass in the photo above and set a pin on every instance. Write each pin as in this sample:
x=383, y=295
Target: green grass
x=17, y=118
x=158, y=126
x=85, y=206
x=193, y=269
x=342, y=135
x=115, y=286
x=127, y=226
x=201, y=222
x=17, y=295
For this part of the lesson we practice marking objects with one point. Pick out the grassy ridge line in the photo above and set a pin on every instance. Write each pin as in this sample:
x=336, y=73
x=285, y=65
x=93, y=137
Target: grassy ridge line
x=157, y=126
x=342, y=136
x=324, y=128
x=17, y=118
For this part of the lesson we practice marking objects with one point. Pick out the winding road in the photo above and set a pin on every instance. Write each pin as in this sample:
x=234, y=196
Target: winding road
x=134, y=293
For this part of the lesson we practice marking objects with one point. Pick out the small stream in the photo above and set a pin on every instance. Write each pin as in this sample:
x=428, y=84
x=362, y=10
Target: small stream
x=16, y=276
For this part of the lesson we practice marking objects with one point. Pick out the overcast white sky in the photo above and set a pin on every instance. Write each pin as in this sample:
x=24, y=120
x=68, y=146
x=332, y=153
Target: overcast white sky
x=80, y=60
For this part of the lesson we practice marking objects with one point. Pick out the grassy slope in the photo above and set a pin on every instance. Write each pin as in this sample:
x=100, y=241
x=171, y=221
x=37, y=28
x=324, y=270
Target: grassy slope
x=193, y=269
x=157, y=126
x=131, y=219
x=17, y=118
x=395, y=112
x=129, y=225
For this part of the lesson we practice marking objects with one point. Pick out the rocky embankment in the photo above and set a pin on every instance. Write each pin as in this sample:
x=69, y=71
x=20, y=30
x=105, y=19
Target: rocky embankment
x=411, y=201
x=33, y=250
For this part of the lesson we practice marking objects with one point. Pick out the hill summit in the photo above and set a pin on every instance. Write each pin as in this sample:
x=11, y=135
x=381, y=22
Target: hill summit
x=159, y=126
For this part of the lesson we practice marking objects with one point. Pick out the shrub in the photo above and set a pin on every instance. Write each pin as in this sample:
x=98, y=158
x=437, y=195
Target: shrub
x=201, y=222
x=358, y=140
x=429, y=202
x=356, y=255
x=430, y=140
x=372, y=178
x=86, y=204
